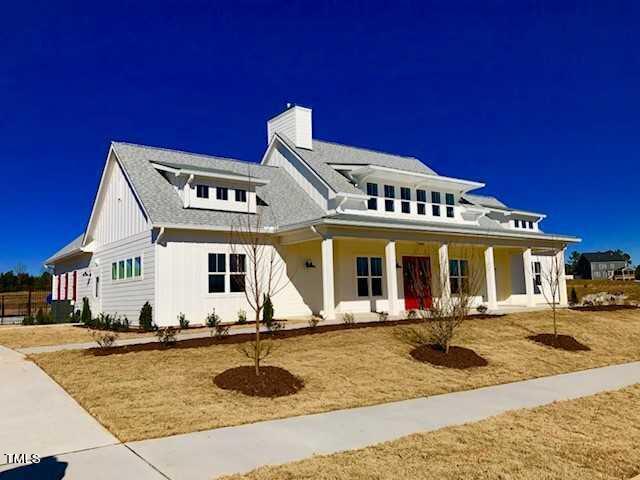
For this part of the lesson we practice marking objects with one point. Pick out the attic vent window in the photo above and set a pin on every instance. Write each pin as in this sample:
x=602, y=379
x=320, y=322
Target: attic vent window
x=202, y=191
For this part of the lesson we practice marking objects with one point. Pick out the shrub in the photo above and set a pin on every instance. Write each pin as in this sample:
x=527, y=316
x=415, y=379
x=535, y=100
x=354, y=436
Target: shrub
x=104, y=339
x=85, y=316
x=28, y=321
x=275, y=326
x=383, y=316
x=145, y=321
x=267, y=311
x=167, y=335
x=182, y=320
x=348, y=319
x=42, y=318
x=313, y=321
x=242, y=316
x=218, y=329
x=482, y=309
x=573, y=297
x=412, y=315
x=104, y=321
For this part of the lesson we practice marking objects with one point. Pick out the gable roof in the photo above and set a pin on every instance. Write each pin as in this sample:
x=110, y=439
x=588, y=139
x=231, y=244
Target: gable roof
x=608, y=256
x=485, y=201
x=69, y=249
x=286, y=201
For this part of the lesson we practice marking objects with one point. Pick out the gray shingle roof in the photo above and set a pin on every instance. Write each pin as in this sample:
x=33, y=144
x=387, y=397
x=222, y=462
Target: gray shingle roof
x=71, y=247
x=287, y=202
x=485, y=201
x=608, y=256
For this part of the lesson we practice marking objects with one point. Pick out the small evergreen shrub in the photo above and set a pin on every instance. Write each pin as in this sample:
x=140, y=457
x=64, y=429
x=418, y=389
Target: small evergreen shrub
x=104, y=339
x=242, y=316
x=167, y=335
x=42, y=318
x=573, y=297
x=218, y=329
x=28, y=321
x=182, y=320
x=85, y=315
x=267, y=311
x=383, y=316
x=313, y=321
x=482, y=309
x=412, y=315
x=348, y=319
x=145, y=321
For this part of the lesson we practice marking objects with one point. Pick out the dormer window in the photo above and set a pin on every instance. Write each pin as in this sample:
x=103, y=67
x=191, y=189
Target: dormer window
x=516, y=223
x=405, y=195
x=435, y=199
x=450, y=201
x=372, y=191
x=389, y=193
x=222, y=193
x=202, y=191
x=241, y=196
x=530, y=224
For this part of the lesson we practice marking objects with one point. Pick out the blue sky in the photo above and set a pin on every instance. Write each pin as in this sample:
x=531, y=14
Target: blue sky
x=541, y=101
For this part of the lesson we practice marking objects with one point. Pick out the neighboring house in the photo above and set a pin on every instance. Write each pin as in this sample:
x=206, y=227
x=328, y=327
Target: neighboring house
x=349, y=222
x=602, y=265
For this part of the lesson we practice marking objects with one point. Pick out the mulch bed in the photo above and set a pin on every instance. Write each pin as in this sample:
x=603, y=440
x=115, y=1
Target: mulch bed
x=458, y=357
x=272, y=381
x=248, y=337
x=604, y=308
x=564, y=342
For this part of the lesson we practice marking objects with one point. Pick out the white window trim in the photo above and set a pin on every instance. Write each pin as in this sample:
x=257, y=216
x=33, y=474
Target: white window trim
x=460, y=276
x=369, y=276
x=125, y=279
x=227, y=276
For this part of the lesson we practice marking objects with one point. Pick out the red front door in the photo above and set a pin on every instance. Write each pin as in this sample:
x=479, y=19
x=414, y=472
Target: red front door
x=416, y=273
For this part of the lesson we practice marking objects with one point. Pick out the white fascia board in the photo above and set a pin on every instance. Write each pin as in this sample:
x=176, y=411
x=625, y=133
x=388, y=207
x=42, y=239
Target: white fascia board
x=204, y=173
x=421, y=178
x=205, y=228
x=509, y=213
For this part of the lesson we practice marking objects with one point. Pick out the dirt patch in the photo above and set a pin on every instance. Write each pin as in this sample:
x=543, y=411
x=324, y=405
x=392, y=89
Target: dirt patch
x=458, y=357
x=272, y=381
x=603, y=308
x=564, y=342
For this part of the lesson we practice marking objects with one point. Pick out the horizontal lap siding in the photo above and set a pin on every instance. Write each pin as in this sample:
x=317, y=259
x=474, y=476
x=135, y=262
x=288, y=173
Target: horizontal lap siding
x=126, y=297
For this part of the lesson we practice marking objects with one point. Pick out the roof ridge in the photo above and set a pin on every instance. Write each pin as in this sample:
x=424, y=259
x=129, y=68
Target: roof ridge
x=367, y=149
x=193, y=154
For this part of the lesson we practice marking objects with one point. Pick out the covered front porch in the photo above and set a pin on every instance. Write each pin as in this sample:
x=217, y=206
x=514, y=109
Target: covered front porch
x=359, y=271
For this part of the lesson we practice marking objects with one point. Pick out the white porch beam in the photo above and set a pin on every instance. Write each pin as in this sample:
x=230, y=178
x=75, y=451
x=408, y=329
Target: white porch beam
x=562, y=279
x=528, y=276
x=490, y=271
x=445, y=283
x=392, y=279
x=328, y=300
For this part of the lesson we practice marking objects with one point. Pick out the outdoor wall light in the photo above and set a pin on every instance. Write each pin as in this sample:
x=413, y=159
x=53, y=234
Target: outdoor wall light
x=309, y=264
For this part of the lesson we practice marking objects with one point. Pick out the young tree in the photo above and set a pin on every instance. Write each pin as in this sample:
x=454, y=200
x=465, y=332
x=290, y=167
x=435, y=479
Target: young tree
x=574, y=258
x=444, y=315
x=265, y=274
x=550, y=287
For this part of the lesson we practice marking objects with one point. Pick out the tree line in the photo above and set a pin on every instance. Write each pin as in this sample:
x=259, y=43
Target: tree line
x=18, y=281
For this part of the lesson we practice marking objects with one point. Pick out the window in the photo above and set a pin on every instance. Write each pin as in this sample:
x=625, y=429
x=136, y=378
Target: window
x=531, y=225
x=421, y=196
x=435, y=199
x=222, y=193
x=237, y=269
x=389, y=191
x=388, y=205
x=114, y=271
x=121, y=269
x=537, y=277
x=129, y=267
x=369, y=276
x=372, y=191
x=137, y=266
x=450, y=201
x=241, y=196
x=459, y=276
x=202, y=191
x=421, y=209
x=516, y=222
x=217, y=271
x=405, y=195
x=450, y=212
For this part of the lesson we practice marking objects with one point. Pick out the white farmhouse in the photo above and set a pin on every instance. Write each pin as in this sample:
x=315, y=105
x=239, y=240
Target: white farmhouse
x=349, y=223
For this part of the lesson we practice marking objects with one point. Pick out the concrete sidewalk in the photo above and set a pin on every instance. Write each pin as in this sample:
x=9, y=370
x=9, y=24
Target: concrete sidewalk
x=202, y=455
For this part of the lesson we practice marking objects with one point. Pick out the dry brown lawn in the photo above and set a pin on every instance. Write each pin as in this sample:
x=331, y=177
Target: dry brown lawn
x=594, y=437
x=43, y=335
x=157, y=393
x=585, y=287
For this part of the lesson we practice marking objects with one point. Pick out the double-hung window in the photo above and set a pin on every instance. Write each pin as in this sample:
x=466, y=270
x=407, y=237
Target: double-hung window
x=516, y=223
x=217, y=270
x=435, y=200
x=114, y=271
x=459, y=276
x=530, y=225
x=537, y=277
x=389, y=194
x=421, y=199
x=121, y=269
x=137, y=266
x=369, y=276
x=202, y=191
x=222, y=193
x=129, y=267
x=372, y=191
x=241, y=196
x=450, y=201
x=405, y=195
x=237, y=272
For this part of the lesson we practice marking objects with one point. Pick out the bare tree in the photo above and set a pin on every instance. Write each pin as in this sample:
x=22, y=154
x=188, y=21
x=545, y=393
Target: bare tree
x=444, y=315
x=265, y=274
x=549, y=283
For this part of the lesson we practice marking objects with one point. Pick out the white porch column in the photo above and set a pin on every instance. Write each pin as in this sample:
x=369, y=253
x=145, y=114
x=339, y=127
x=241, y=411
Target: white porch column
x=490, y=271
x=392, y=280
x=528, y=276
x=562, y=279
x=328, y=301
x=445, y=283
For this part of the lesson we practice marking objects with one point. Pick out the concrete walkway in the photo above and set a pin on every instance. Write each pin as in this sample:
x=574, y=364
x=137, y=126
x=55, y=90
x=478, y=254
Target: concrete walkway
x=236, y=330
x=37, y=416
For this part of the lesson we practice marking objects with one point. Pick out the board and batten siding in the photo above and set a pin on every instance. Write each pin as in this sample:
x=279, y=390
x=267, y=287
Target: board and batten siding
x=118, y=213
x=127, y=296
